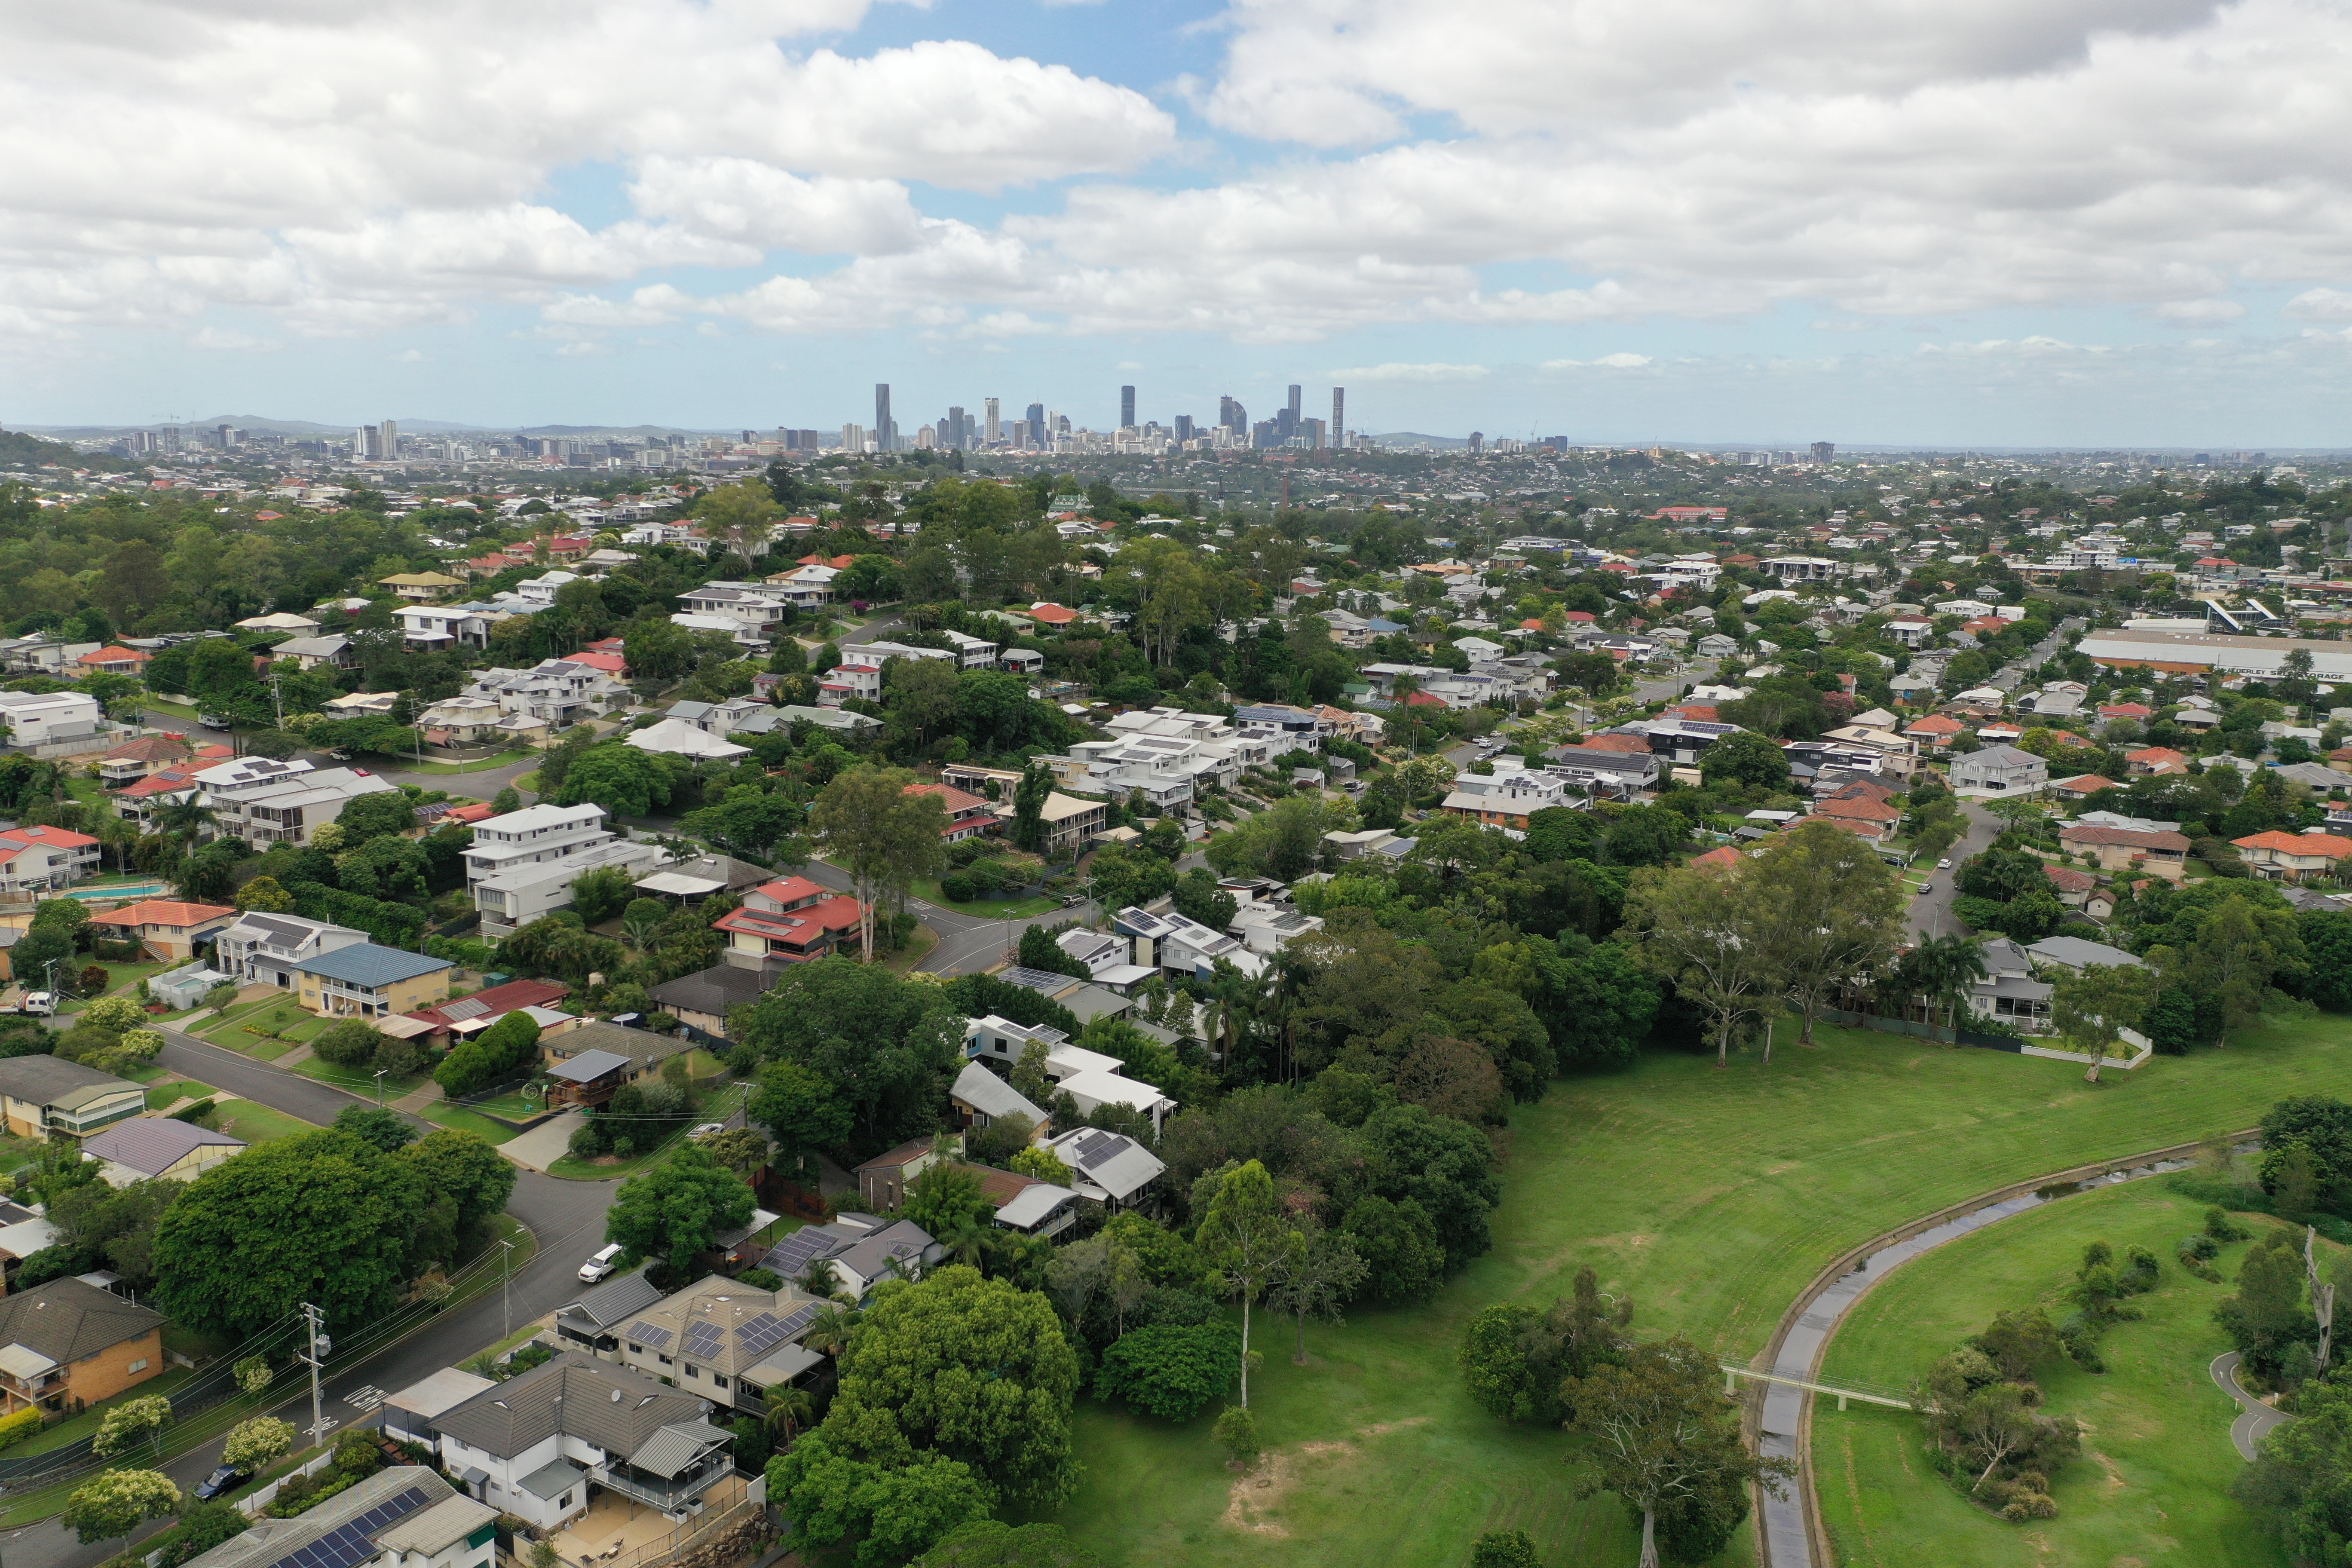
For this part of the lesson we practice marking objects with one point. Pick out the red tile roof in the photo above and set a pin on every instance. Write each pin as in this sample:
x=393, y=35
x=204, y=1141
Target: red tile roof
x=1052, y=614
x=1857, y=809
x=2325, y=845
x=1631, y=745
x=162, y=913
x=494, y=1003
x=2066, y=879
x=2086, y=783
x=2083, y=833
x=19, y=838
x=1726, y=856
x=1935, y=724
x=168, y=782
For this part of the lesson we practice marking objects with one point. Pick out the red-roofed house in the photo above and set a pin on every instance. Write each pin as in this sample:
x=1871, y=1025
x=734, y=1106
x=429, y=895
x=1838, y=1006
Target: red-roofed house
x=1052, y=614
x=43, y=860
x=1580, y=617
x=446, y=1023
x=1936, y=731
x=788, y=921
x=1874, y=820
x=611, y=663
x=114, y=659
x=2156, y=759
x=167, y=929
x=1631, y=745
x=968, y=815
x=1702, y=713
x=844, y=681
x=2164, y=855
x=2291, y=857
x=137, y=803
x=1726, y=857
x=2126, y=710
x=2071, y=886
x=838, y=562
x=135, y=759
x=2081, y=786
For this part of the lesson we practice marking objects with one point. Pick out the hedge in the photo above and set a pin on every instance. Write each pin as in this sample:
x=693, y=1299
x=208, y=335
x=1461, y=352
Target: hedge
x=16, y=1428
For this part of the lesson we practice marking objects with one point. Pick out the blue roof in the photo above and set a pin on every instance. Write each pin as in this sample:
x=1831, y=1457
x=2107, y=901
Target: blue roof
x=365, y=963
x=1378, y=625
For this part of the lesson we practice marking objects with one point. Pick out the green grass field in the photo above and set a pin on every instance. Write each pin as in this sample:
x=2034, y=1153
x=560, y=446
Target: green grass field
x=1711, y=1197
x=984, y=909
x=163, y=1094
x=2157, y=1460
x=442, y=1114
x=258, y=1123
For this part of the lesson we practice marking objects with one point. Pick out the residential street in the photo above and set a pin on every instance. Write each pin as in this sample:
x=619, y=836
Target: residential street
x=1931, y=913
x=568, y=1217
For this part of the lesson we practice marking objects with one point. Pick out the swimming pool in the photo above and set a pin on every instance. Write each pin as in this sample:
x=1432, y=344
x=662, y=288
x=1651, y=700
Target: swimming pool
x=119, y=890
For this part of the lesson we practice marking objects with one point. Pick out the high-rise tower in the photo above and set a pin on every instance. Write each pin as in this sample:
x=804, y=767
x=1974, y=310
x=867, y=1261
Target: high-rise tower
x=1125, y=407
x=882, y=425
x=1339, y=418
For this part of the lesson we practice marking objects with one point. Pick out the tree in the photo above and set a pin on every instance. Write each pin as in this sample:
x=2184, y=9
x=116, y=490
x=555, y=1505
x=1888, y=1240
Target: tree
x=387, y=1130
x=131, y=1421
x=2090, y=1007
x=945, y=1198
x=986, y=1543
x=1505, y=1548
x=463, y=1168
x=1665, y=1440
x=1236, y=1433
x=1713, y=935
x=1029, y=799
x=263, y=895
x=116, y=1502
x=960, y=1368
x=677, y=1209
x=1316, y=1280
x=347, y=1042
x=373, y=815
x=2299, y=1480
x=889, y=1046
x=1837, y=912
x=1169, y=1372
x=255, y=1444
x=883, y=833
x=803, y=1113
x=2234, y=958
x=323, y=1217
x=1248, y=1242
x=897, y=1507
x=1744, y=757
x=619, y=777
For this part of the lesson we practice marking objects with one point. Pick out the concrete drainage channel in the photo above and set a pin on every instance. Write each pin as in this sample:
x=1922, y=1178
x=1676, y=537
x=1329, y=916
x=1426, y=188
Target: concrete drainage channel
x=1791, y=1527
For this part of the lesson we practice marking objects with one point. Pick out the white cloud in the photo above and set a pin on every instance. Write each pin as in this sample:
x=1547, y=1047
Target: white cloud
x=1608, y=362
x=2198, y=313
x=2321, y=305
x=1394, y=370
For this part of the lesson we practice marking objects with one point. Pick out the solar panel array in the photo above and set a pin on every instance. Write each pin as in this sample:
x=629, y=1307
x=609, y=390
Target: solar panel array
x=1098, y=1152
x=1037, y=979
x=466, y=1007
x=766, y=1332
x=348, y=1545
x=703, y=1341
x=796, y=1251
x=646, y=1333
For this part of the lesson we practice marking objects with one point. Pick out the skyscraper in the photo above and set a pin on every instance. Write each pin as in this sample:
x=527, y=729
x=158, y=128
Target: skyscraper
x=1184, y=431
x=391, y=429
x=1035, y=419
x=955, y=428
x=1294, y=403
x=1823, y=451
x=882, y=416
x=1340, y=416
x=1233, y=415
x=995, y=432
x=1125, y=407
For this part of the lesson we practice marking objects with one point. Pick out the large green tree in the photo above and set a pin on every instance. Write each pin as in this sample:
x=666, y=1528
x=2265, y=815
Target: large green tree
x=677, y=1209
x=323, y=1218
x=884, y=833
x=889, y=1046
x=804, y=1113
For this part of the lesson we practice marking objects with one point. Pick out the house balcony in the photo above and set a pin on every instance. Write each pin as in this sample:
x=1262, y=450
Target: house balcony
x=669, y=1496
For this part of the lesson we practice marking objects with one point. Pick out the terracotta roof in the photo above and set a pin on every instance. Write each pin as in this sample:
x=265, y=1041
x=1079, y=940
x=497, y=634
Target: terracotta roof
x=1631, y=745
x=1935, y=724
x=162, y=913
x=21, y=838
x=167, y=782
x=1727, y=855
x=2124, y=711
x=1862, y=789
x=2325, y=845
x=2066, y=878
x=1052, y=614
x=2085, y=833
x=151, y=748
x=1702, y=713
x=2150, y=756
x=1858, y=808
x=2086, y=783
x=494, y=1003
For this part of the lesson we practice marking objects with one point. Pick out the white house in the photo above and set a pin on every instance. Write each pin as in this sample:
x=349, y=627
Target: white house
x=1090, y=1077
x=50, y=718
x=268, y=948
x=2000, y=770
x=512, y=898
x=534, y=834
x=404, y=1516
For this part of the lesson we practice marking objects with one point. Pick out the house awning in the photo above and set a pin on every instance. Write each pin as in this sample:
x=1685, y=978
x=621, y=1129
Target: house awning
x=672, y=1449
x=401, y=1026
x=787, y=1363
x=22, y=1361
x=589, y=1066
x=679, y=885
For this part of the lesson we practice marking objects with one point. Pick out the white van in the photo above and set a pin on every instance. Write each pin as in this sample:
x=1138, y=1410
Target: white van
x=601, y=1265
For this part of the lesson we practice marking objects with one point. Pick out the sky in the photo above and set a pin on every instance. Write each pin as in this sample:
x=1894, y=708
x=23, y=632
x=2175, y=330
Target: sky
x=2003, y=223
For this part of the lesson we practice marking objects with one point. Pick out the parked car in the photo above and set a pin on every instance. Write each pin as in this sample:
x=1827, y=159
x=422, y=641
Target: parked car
x=39, y=1004
x=215, y=721
x=218, y=1482
x=708, y=1129
x=601, y=1265
x=1943, y=865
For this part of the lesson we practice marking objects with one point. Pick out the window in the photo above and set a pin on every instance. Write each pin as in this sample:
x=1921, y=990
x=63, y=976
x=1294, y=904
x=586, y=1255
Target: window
x=637, y=1349
x=564, y=1502
x=139, y=1365
x=718, y=1380
x=663, y=1359
x=692, y=1370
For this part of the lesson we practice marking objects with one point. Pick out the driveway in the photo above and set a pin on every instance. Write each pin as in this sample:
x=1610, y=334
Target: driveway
x=545, y=1144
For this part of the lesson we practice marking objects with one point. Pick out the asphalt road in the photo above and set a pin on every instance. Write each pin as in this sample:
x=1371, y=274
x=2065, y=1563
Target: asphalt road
x=482, y=784
x=568, y=1217
x=967, y=942
x=1931, y=912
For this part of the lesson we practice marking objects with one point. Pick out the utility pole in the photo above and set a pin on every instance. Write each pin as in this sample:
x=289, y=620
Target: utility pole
x=379, y=1087
x=318, y=1348
x=2322, y=1297
x=506, y=1297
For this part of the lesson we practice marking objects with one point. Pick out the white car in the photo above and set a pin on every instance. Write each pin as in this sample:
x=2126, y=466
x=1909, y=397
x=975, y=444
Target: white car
x=603, y=1264
x=1943, y=865
x=708, y=1129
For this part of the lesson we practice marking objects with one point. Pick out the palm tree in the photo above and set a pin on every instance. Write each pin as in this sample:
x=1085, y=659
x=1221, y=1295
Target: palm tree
x=1944, y=967
x=822, y=1280
x=186, y=816
x=789, y=1410
x=639, y=926
x=967, y=1240
x=830, y=1332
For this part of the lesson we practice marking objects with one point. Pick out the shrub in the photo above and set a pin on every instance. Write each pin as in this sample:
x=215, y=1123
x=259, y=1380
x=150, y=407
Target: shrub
x=1236, y=1433
x=17, y=1427
x=957, y=888
x=1169, y=1372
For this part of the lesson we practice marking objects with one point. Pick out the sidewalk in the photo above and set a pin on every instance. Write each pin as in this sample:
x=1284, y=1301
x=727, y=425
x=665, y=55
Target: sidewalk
x=414, y=1102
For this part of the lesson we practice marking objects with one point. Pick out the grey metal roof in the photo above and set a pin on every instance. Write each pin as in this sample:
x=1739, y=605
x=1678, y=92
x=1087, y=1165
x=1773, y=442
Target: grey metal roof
x=992, y=1096
x=47, y=1080
x=589, y=1066
x=341, y=1533
x=152, y=1144
x=673, y=1449
x=608, y=1407
x=614, y=1300
x=365, y=963
x=552, y=1479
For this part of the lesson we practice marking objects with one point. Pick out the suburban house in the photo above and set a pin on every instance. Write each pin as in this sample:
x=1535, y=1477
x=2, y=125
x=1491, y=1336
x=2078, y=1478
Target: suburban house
x=2001, y=769
x=701, y=1001
x=862, y=1250
x=2072, y=887
x=509, y=899
x=537, y=1444
x=66, y=1345
x=555, y=691
x=2008, y=991
x=1090, y=1077
x=266, y=948
x=367, y=980
x=35, y=861
x=134, y=760
x=448, y=1023
x=1872, y=819
x=404, y=1516
x=1180, y=944
x=534, y=834
x=165, y=928
x=42, y=1097
x=147, y=1148
x=980, y=1098
x=1503, y=799
x=2160, y=854
x=333, y=650
x=968, y=815
x=788, y=921
x=726, y=1340
x=2077, y=953
x=267, y=801
x=2081, y=786
x=596, y=1056
x=51, y=718
x=882, y=1181
x=1109, y=1168
x=1606, y=770
x=2291, y=857
x=591, y=1325
x=472, y=721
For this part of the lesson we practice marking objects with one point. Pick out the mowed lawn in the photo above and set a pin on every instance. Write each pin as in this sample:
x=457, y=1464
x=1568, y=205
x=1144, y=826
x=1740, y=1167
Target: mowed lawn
x=1711, y=1197
x=2154, y=1477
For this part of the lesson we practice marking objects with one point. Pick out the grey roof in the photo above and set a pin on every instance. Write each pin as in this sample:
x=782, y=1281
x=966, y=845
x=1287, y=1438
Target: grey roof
x=992, y=1096
x=870, y=1255
x=2075, y=952
x=575, y=1395
x=589, y=1066
x=673, y=1447
x=551, y=1480
x=52, y=1080
x=365, y=963
x=1999, y=756
x=428, y=1396
x=342, y=1532
x=713, y=990
x=614, y=1300
x=66, y=1320
x=1111, y=1161
x=1034, y=1203
x=641, y=1046
x=152, y=1145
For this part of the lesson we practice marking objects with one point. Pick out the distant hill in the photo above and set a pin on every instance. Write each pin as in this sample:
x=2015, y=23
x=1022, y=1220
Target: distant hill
x=1415, y=438
x=18, y=451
